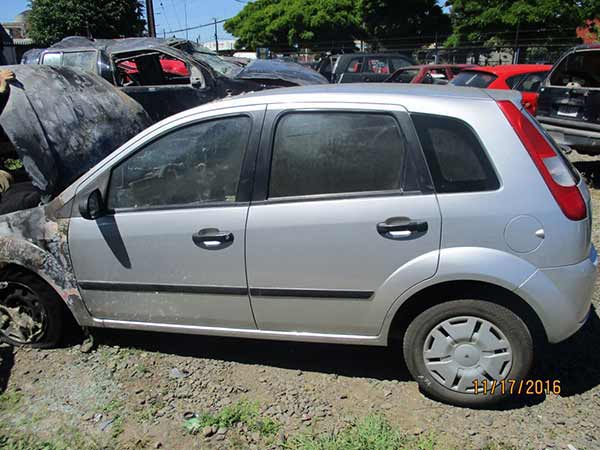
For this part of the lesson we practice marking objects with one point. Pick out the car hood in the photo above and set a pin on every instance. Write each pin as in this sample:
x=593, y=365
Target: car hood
x=62, y=122
x=276, y=70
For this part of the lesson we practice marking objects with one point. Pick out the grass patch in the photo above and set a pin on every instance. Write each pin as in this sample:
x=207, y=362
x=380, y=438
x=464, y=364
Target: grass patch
x=9, y=400
x=243, y=412
x=372, y=432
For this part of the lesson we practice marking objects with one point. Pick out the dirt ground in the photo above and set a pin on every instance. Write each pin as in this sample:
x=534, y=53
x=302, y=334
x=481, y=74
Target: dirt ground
x=139, y=390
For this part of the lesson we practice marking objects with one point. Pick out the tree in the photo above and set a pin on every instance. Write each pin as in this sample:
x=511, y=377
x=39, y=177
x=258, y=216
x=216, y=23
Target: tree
x=482, y=20
x=402, y=23
x=321, y=23
x=52, y=20
x=289, y=23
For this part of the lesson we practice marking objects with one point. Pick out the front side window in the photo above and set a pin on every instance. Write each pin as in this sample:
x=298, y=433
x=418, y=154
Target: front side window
x=198, y=164
x=456, y=158
x=338, y=152
x=405, y=75
x=152, y=69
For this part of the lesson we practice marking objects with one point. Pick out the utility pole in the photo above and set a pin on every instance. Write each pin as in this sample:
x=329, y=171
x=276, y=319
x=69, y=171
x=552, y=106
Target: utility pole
x=186, y=21
x=517, y=53
x=151, y=21
x=216, y=36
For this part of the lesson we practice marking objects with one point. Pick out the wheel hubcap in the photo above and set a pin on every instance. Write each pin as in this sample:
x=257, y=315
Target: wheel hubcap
x=22, y=316
x=461, y=350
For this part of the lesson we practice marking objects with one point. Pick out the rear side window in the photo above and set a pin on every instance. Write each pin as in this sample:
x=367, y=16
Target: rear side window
x=457, y=161
x=338, y=152
x=473, y=79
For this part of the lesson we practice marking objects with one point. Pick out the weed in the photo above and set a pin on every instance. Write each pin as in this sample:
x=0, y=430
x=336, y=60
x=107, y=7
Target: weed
x=9, y=400
x=244, y=412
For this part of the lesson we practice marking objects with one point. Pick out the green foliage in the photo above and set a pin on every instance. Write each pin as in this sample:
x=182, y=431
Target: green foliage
x=10, y=400
x=478, y=20
x=308, y=23
x=28, y=443
x=244, y=412
x=13, y=164
x=52, y=20
x=373, y=432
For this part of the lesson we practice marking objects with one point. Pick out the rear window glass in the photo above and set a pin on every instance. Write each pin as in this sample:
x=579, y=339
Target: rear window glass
x=579, y=69
x=456, y=158
x=473, y=79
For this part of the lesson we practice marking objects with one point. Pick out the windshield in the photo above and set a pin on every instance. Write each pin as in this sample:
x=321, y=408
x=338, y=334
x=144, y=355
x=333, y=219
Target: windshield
x=473, y=79
x=203, y=55
x=579, y=69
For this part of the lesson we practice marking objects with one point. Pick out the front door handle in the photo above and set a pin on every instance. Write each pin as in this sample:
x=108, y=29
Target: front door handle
x=402, y=228
x=212, y=239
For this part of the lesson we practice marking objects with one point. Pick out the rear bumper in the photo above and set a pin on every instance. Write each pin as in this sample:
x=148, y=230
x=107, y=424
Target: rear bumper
x=562, y=296
x=587, y=141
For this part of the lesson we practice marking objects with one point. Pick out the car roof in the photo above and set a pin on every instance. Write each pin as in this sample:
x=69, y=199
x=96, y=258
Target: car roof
x=368, y=93
x=511, y=69
x=437, y=66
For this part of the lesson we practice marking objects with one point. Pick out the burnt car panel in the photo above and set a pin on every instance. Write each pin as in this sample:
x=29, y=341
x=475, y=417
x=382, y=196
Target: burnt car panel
x=569, y=100
x=168, y=76
x=61, y=122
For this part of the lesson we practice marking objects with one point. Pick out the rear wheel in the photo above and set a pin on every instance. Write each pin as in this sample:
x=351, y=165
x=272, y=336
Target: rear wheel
x=459, y=349
x=30, y=311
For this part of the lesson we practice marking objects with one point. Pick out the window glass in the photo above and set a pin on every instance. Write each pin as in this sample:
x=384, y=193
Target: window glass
x=473, y=79
x=532, y=82
x=80, y=60
x=336, y=152
x=398, y=63
x=377, y=65
x=52, y=59
x=154, y=69
x=514, y=80
x=197, y=164
x=405, y=75
x=457, y=161
x=579, y=69
x=354, y=65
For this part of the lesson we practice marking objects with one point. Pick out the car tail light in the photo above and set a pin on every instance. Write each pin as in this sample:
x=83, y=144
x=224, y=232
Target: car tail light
x=554, y=171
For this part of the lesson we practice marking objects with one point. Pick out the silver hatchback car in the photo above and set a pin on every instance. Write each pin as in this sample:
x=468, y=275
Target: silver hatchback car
x=440, y=217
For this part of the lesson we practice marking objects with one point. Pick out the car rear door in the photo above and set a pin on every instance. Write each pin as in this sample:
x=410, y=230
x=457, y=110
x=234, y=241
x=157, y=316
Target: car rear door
x=343, y=218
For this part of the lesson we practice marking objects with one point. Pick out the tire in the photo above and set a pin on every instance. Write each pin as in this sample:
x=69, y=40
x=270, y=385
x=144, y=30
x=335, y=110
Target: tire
x=39, y=307
x=444, y=356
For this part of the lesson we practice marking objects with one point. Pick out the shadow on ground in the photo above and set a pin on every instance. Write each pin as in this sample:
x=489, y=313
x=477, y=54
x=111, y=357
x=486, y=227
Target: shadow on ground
x=575, y=362
x=7, y=360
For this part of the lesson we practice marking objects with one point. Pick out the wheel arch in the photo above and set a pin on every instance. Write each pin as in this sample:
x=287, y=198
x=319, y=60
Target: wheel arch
x=463, y=289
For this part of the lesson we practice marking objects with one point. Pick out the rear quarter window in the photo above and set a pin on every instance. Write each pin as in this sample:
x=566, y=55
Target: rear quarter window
x=457, y=160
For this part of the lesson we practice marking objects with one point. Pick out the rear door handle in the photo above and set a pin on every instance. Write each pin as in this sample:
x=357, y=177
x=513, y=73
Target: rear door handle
x=212, y=239
x=402, y=228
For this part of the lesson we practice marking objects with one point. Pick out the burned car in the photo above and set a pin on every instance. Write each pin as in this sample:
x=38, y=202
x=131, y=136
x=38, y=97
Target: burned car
x=569, y=100
x=55, y=124
x=167, y=76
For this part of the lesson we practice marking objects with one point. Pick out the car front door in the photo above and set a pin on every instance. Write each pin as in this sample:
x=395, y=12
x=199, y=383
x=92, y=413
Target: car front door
x=170, y=248
x=343, y=219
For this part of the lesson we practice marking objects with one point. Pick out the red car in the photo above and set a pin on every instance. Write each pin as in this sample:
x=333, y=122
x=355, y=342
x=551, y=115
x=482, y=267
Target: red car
x=525, y=78
x=428, y=74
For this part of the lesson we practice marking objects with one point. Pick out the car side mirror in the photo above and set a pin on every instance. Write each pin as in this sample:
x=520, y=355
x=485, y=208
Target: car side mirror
x=92, y=207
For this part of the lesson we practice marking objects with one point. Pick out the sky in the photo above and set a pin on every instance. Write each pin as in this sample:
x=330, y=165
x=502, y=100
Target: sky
x=170, y=15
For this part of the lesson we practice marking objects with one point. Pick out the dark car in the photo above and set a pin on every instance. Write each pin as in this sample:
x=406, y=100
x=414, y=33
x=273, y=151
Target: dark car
x=569, y=101
x=428, y=73
x=167, y=76
x=361, y=67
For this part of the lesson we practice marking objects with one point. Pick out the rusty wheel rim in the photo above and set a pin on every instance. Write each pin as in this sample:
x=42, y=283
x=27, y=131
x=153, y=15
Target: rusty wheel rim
x=23, y=318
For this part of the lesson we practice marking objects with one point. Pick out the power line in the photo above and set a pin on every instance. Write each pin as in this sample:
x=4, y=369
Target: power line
x=196, y=27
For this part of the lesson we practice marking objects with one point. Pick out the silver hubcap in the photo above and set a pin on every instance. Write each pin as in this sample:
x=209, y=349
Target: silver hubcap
x=461, y=350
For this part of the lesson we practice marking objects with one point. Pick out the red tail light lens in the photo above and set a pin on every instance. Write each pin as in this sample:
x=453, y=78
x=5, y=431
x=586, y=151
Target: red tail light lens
x=550, y=165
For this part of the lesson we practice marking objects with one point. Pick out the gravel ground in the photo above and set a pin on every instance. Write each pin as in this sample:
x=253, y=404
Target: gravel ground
x=136, y=390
